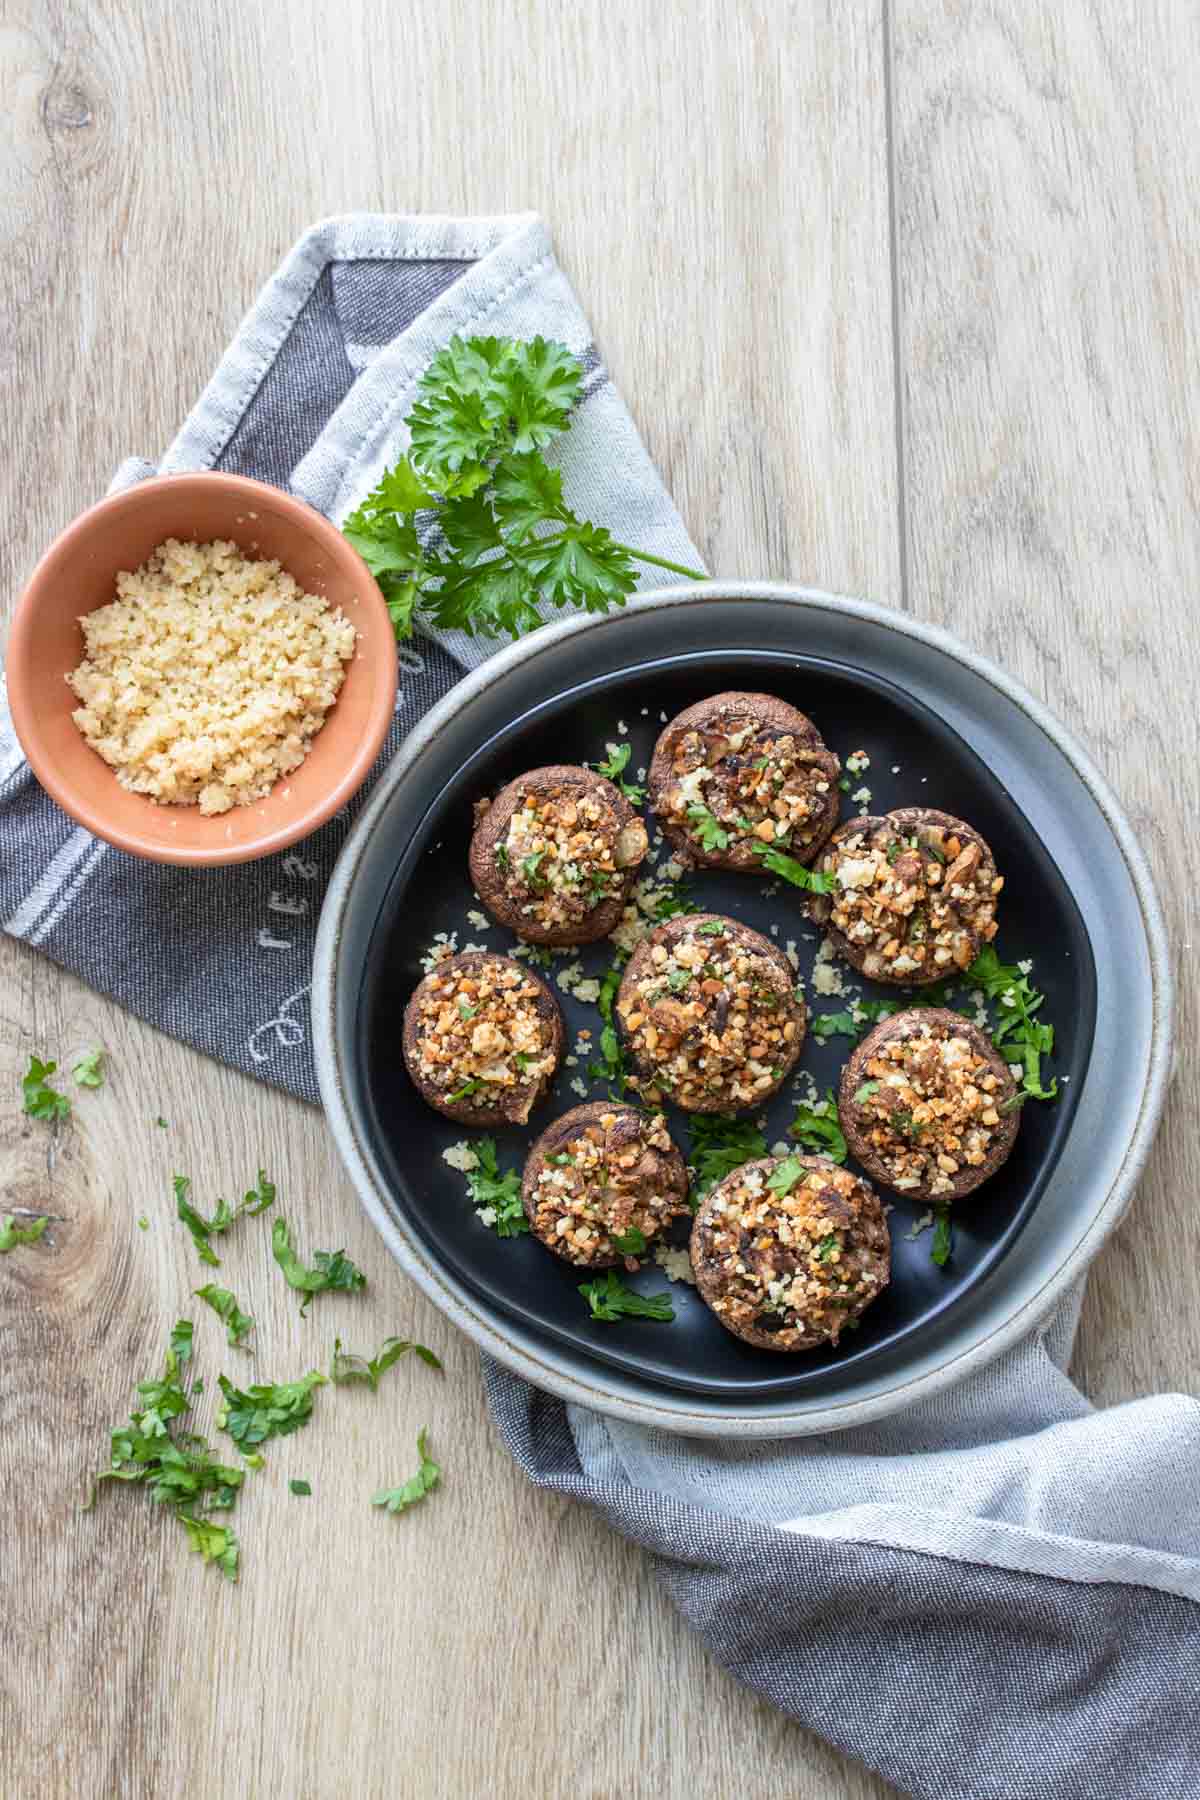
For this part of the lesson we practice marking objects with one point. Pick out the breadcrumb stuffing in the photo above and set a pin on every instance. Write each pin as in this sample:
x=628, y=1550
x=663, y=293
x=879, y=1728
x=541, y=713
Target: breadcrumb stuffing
x=460, y=1156
x=208, y=676
x=675, y=1263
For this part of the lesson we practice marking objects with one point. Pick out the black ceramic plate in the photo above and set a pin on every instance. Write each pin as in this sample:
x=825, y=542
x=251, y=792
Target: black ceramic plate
x=916, y=759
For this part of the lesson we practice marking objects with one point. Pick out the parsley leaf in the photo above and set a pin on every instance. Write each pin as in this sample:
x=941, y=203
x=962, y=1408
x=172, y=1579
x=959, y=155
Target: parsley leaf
x=529, y=869
x=267, y=1410
x=428, y=1475
x=865, y=1091
x=943, y=1240
x=609, y=1298
x=346, y=1367
x=255, y=1201
x=486, y=409
x=332, y=1269
x=618, y=758
x=41, y=1100
x=631, y=1242
x=12, y=1235
x=817, y=1128
x=180, y=1341
x=224, y=1304
x=299, y=1487
x=787, y=866
x=783, y=1179
x=89, y=1070
x=215, y=1543
x=611, y=1067
x=719, y=1146
x=844, y=1024
x=708, y=828
x=496, y=1197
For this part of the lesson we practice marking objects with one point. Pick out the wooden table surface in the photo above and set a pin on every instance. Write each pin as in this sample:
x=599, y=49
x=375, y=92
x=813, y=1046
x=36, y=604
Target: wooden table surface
x=903, y=298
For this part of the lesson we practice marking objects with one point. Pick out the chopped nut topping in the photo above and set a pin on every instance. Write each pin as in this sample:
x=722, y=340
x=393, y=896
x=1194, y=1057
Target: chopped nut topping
x=711, y=1019
x=618, y=1178
x=738, y=779
x=798, y=1258
x=913, y=904
x=485, y=1028
x=566, y=851
x=930, y=1107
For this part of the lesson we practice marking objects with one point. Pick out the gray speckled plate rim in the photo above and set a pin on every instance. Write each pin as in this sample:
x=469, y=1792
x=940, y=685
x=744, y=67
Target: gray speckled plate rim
x=588, y=1384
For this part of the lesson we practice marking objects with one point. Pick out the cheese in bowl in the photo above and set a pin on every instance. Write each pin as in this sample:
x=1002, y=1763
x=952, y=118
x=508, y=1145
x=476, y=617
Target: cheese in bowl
x=207, y=677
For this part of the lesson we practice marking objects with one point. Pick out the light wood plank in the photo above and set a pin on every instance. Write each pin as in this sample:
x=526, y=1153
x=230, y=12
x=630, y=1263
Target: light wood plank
x=717, y=187
x=1048, y=253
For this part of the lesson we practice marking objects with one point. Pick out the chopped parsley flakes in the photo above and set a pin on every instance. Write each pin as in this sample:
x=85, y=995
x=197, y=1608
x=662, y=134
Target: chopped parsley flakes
x=180, y=1473
x=41, y=1100
x=346, y=1368
x=427, y=1477
x=224, y=1304
x=817, y=1128
x=89, y=1070
x=12, y=1235
x=719, y=1145
x=332, y=1270
x=267, y=1410
x=496, y=1197
x=256, y=1200
x=618, y=758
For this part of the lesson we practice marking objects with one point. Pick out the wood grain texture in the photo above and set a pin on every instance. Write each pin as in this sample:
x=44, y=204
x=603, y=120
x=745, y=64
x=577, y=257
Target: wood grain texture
x=1047, y=258
x=716, y=179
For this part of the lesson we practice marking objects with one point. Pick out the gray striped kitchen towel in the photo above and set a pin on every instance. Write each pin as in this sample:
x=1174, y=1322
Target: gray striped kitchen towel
x=991, y=1595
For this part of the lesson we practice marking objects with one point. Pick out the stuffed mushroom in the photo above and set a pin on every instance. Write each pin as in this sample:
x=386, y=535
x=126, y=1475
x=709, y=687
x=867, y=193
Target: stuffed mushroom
x=711, y=1014
x=912, y=895
x=928, y=1104
x=555, y=854
x=602, y=1183
x=741, y=774
x=789, y=1251
x=482, y=1039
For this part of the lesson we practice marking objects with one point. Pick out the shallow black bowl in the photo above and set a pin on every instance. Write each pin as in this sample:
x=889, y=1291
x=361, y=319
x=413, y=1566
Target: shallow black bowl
x=916, y=759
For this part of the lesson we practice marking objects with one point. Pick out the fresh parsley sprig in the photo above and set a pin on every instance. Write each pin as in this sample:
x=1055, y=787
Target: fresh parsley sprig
x=471, y=530
x=609, y=1298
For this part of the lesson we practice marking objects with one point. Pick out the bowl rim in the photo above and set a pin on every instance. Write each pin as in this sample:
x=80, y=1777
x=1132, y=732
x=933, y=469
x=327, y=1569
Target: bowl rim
x=22, y=645
x=544, y=1369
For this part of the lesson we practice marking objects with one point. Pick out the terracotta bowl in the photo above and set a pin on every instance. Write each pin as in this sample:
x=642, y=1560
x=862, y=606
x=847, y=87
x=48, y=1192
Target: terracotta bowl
x=78, y=573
